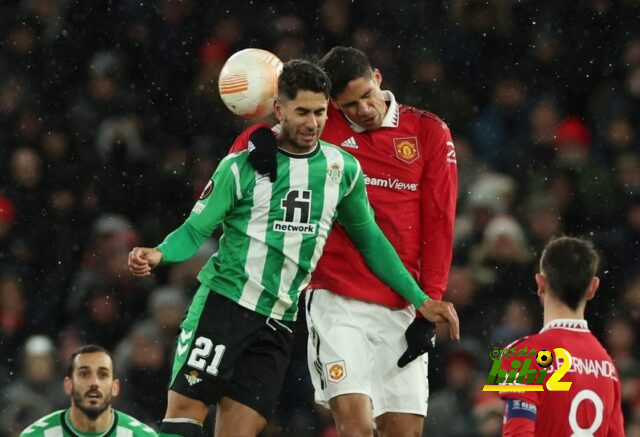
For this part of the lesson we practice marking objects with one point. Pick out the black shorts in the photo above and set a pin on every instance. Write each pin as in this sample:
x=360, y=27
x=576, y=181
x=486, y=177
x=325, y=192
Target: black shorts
x=224, y=349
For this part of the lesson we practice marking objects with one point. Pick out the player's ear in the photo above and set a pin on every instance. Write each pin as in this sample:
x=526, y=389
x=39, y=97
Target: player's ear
x=377, y=76
x=595, y=283
x=67, y=385
x=277, y=110
x=115, y=388
x=542, y=282
x=334, y=104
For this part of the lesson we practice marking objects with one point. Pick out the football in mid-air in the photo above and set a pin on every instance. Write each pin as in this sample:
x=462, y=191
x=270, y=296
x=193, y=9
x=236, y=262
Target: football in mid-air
x=544, y=358
x=248, y=82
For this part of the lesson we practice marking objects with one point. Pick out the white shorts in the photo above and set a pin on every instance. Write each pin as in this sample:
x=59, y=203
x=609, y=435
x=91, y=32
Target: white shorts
x=354, y=346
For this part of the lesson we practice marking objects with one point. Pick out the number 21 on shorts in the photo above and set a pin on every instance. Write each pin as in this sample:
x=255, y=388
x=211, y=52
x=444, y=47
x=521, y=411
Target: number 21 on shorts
x=201, y=352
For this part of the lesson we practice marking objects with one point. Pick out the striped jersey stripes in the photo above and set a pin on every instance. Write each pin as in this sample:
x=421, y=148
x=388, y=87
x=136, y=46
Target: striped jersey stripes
x=274, y=233
x=58, y=424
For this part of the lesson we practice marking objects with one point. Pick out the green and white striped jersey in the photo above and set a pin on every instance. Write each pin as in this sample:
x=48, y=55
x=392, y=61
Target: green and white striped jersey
x=58, y=424
x=274, y=233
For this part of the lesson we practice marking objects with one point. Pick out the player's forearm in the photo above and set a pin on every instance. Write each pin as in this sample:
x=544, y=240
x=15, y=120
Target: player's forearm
x=384, y=262
x=181, y=244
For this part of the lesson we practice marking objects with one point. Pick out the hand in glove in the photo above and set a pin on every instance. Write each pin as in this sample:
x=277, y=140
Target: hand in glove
x=263, y=152
x=421, y=338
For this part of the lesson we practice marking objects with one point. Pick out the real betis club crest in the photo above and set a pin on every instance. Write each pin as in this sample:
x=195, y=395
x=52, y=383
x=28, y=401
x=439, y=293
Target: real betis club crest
x=334, y=172
x=192, y=377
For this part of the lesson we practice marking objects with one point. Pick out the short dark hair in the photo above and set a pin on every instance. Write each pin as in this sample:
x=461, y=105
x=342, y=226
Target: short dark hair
x=569, y=264
x=89, y=349
x=298, y=74
x=344, y=64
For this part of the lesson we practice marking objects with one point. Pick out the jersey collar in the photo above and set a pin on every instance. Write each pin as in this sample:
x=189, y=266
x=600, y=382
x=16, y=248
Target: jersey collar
x=277, y=129
x=390, y=119
x=68, y=426
x=570, y=324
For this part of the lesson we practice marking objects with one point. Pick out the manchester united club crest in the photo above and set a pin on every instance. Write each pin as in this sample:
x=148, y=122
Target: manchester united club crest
x=407, y=148
x=335, y=172
x=337, y=371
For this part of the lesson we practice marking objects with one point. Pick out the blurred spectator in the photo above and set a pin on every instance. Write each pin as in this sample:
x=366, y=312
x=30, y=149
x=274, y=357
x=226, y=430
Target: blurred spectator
x=490, y=195
x=503, y=262
x=14, y=323
x=449, y=408
x=37, y=389
x=517, y=322
x=167, y=306
x=497, y=132
x=144, y=364
x=543, y=222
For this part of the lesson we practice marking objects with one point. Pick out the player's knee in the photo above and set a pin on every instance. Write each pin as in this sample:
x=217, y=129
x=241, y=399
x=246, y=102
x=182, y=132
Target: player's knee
x=180, y=427
x=355, y=428
x=353, y=416
x=180, y=406
x=399, y=425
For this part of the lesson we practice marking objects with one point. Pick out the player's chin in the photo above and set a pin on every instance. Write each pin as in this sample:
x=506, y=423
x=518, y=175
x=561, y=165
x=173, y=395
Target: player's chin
x=307, y=140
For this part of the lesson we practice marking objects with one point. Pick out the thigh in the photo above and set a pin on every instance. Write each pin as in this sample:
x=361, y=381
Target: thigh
x=395, y=389
x=340, y=347
x=213, y=337
x=260, y=370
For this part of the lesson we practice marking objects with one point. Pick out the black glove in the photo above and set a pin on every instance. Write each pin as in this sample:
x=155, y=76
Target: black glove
x=263, y=152
x=421, y=338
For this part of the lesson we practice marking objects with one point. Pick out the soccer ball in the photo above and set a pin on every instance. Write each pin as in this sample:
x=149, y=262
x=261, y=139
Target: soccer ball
x=248, y=82
x=544, y=358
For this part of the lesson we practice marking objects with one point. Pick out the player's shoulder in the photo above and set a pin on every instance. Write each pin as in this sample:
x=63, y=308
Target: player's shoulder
x=239, y=157
x=131, y=423
x=41, y=425
x=331, y=149
x=350, y=163
x=422, y=117
x=241, y=142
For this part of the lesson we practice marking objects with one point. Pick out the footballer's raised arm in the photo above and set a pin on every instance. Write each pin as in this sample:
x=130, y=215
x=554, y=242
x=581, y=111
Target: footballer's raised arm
x=217, y=198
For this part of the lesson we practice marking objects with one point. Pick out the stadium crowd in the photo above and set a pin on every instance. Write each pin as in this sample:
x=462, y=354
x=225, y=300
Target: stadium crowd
x=111, y=125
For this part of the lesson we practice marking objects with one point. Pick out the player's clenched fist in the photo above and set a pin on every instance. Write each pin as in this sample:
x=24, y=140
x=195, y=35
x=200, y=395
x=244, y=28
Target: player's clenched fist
x=438, y=311
x=143, y=259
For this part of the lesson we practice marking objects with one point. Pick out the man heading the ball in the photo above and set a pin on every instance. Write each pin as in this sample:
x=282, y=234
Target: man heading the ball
x=235, y=341
x=357, y=325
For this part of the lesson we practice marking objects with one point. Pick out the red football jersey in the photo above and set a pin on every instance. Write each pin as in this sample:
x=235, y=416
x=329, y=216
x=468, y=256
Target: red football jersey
x=411, y=177
x=590, y=407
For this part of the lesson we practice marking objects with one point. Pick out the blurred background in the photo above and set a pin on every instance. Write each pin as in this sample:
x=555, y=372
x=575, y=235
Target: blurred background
x=111, y=124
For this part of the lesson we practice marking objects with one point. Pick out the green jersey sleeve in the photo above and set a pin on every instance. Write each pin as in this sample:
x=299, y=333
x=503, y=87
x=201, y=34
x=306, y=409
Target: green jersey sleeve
x=215, y=202
x=355, y=214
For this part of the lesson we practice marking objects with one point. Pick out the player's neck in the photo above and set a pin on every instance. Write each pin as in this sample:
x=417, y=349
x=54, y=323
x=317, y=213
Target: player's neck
x=80, y=421
x=556, y=310
x=294, y=149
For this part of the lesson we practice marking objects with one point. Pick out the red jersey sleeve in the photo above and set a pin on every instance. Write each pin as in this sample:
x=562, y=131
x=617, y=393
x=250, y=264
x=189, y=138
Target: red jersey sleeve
x=439, y=186
x=518, y=428
x=242, y=140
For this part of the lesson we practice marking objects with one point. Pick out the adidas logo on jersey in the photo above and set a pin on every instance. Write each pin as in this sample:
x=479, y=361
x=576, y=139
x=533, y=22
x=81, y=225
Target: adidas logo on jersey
x=350, y=143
